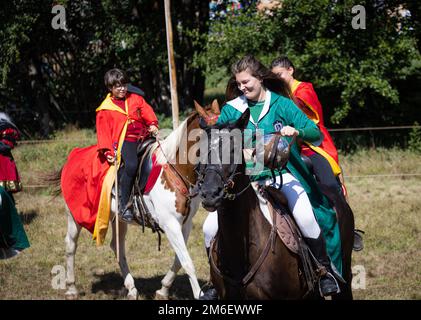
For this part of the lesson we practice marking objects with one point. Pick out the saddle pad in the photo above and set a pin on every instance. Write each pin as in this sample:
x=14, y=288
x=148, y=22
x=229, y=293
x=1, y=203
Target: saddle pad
x=283, y=228
x=283, y=222
x=153, y=176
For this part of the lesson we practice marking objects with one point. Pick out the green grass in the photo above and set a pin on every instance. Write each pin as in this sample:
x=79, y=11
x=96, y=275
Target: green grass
x=386, y=208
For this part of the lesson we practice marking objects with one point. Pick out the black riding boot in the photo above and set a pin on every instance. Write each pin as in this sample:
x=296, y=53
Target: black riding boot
x=125, y=186
x=211, y=293
x=328, y=283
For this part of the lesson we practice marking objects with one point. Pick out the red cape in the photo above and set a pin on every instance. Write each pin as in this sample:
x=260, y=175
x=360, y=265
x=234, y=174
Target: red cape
x=83, y=173
x=305, y=92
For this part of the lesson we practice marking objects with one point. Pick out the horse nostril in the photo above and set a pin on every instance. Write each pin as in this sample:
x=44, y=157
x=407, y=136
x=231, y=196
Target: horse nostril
x=217, y=192
x=211, y=194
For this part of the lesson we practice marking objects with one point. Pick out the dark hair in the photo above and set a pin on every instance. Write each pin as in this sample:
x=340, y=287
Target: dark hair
x=257, y=69
x=115, y=77
x=282, y=62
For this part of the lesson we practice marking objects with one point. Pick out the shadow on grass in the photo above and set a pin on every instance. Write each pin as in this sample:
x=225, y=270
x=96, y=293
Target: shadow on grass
x=112, y=284
x=28, y=216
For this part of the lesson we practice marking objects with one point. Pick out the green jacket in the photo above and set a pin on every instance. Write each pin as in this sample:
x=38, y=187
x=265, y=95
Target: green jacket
x=278, y=112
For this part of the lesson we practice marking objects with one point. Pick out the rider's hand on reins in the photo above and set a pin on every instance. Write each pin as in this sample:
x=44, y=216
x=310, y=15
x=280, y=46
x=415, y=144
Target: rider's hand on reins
x=288, y=131
x=153, y=130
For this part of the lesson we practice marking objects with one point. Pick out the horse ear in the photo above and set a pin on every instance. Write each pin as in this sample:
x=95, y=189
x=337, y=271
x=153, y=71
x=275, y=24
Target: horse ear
x=243, y=120
x=215, y=107
x=200, y=110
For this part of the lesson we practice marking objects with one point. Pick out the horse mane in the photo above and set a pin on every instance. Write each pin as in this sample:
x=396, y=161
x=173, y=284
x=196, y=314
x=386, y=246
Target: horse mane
x=169, y=146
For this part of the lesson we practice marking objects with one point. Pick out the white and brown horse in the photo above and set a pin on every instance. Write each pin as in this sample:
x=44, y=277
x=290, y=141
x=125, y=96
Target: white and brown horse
x=172, y=209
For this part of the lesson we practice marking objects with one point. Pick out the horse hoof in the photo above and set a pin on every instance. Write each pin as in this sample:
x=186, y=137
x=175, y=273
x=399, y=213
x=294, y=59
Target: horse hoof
x=160, y=296
x=132, y=295
x=71, y=296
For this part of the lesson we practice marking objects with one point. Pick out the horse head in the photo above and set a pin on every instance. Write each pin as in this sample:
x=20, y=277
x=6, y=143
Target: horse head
x=223, y=161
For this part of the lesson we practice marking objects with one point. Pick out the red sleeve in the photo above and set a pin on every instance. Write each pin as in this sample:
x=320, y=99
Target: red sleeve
x=103, y=131
x=147, y=113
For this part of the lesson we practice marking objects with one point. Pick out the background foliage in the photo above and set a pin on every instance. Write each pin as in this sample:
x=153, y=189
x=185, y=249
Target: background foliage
x=50, y=78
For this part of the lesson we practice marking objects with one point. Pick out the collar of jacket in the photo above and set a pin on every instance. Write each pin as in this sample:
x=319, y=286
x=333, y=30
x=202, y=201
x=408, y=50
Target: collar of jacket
x=108, y=104
x=240, y=104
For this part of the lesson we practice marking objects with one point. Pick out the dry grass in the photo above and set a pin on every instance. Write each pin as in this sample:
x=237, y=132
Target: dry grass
x=389, y=213
x=386, y=208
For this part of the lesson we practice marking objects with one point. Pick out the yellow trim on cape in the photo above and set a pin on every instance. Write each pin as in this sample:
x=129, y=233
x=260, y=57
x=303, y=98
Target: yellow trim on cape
x=333, y=164
x=295, y=85
x=104, y=208
x=108, y=104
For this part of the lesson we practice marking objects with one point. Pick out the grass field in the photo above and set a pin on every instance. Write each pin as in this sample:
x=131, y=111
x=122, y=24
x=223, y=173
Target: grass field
x=387, y=208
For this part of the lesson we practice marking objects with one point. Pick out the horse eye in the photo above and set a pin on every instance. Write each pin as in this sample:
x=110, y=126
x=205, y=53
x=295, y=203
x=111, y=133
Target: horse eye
x=197, y=153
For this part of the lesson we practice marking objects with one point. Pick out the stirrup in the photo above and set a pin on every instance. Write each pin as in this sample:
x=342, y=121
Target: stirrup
x=330, y=276
x=336, y=273
x=127, y=216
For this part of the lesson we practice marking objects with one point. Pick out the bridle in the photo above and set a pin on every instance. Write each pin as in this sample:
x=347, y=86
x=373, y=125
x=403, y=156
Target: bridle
x=228, y=183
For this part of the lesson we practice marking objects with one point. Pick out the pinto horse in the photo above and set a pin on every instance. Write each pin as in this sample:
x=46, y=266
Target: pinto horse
x=172, y=211
x=241, y=266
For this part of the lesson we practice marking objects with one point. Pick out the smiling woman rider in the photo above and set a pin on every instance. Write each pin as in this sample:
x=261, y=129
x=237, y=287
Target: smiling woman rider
x=255, y=87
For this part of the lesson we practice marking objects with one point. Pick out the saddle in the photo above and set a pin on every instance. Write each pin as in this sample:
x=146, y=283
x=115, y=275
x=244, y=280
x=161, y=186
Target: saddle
x=141, y=212
x=145, y=162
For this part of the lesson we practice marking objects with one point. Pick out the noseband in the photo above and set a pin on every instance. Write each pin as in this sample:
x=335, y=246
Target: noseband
x=228, y=183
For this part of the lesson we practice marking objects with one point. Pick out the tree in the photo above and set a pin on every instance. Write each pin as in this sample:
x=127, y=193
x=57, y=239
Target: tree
x=358, y=73
x=55, y=76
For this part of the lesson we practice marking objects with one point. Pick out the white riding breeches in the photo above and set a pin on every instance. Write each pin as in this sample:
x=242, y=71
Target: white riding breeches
x=298, y=203
x=210, y=227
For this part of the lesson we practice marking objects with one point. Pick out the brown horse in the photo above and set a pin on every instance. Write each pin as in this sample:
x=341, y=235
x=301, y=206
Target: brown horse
x=246, y=263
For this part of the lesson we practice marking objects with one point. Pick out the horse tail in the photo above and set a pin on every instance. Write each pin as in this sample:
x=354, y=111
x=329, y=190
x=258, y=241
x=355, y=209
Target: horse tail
x=53, y=179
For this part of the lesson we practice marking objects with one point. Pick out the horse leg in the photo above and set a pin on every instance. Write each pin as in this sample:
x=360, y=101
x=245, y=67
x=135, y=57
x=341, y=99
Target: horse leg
x=186, y=229
x=167, y=281
x=177, y=239
x=72, y=236
x=124, y=268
